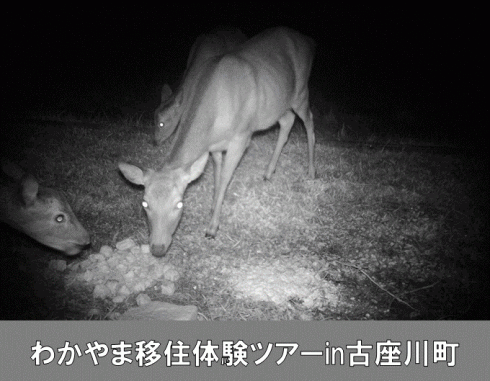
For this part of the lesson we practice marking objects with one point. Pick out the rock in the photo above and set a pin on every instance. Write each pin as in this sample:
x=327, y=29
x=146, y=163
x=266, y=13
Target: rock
x=112, y=285
x=129, y=276
x=101, y=291
x=85, y=264
x=124, y=291
x=161, y=311
x=130, y=258
x=87, y=276
x=136, y=250
x=125, y=244
x=118, y=299
x=112, y=262
x=157, y=271
x=103, y=268
x=140, y=286
x=97, y=257
x=142, y=299
x=172, y=275
x=106, y=251
x=168, y=288
x=122, y=268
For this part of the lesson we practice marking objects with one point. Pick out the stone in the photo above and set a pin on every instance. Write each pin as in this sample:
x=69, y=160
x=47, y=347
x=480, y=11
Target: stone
x=106, y=251
x=142, y=299
x=125, y=244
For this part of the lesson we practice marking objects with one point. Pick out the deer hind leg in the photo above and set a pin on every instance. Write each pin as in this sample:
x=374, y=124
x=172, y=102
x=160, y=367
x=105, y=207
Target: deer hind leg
x=217, y=160
x=286, y=123
x=304, y=112
x=234, y=153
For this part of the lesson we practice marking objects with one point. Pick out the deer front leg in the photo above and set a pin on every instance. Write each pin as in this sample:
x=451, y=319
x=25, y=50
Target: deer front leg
x=234, y=153
x=310, y=133
x=217, y=160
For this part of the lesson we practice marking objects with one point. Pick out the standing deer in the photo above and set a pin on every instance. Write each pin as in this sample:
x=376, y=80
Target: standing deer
x=41, y=213
x=206, y=46
x=229, y=98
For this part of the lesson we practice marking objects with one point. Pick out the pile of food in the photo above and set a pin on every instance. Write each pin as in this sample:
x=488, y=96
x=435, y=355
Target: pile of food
x=129, y=269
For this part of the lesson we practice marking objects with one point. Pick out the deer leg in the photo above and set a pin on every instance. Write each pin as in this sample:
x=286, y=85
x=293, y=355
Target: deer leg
x=286, y=123
x=304, y=112
x=310, y=133
x=234, y=153
x=217, y=160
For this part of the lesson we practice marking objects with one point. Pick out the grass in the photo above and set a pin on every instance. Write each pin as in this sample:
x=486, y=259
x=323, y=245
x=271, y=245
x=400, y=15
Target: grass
x=397, y=235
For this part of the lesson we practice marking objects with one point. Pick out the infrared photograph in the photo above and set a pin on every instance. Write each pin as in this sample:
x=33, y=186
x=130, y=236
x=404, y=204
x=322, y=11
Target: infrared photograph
x=243, y=163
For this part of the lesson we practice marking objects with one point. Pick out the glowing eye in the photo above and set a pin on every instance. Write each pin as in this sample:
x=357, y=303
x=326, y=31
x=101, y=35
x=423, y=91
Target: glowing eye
x=59, y=218
x=145, y=204
x=180, y=204
x=160, y=124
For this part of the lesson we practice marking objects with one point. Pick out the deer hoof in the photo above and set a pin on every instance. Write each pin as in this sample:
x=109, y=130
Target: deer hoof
x=209, y=236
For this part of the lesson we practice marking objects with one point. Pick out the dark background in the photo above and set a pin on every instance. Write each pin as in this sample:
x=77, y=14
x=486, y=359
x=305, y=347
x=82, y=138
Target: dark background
x=416, y=71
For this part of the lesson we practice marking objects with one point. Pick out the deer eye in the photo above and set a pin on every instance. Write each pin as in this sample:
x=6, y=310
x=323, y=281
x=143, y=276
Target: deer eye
x=145, y=204
x=59, y=218
x=160, y=124
x=180, y=204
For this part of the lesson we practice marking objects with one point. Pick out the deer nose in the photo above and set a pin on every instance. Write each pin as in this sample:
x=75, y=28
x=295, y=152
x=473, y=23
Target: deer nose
x=158, y=250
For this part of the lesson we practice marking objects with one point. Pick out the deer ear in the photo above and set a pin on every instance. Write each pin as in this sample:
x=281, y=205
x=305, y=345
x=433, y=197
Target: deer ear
x=29, y=188
x=166, y=92
x=179, y=98
x=196, y=168
x=132, y=173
